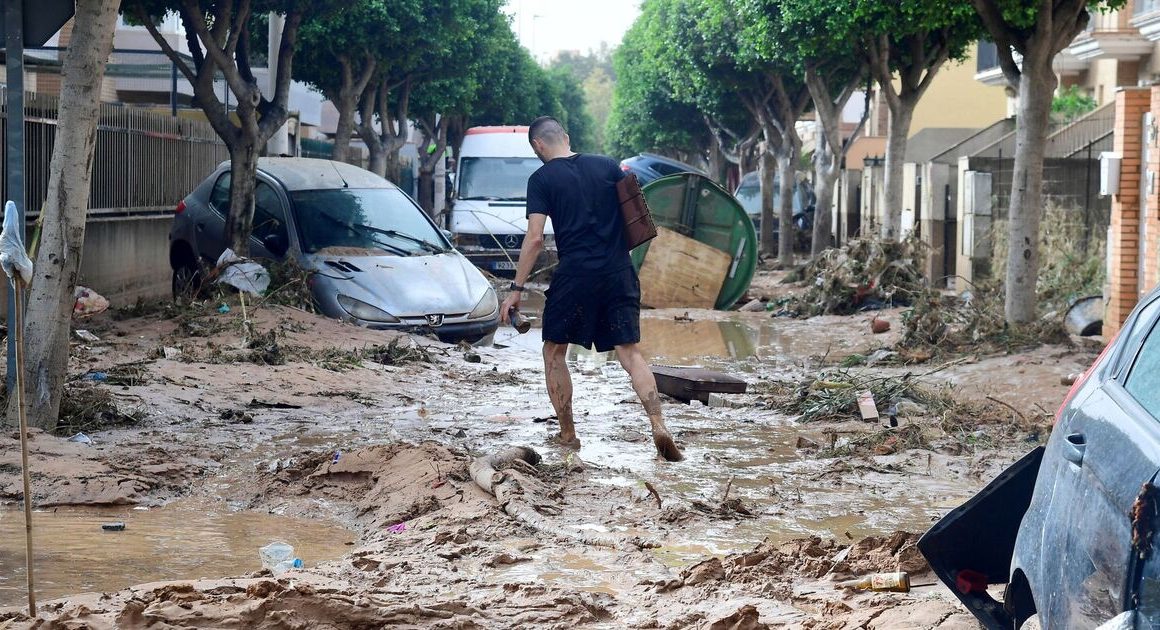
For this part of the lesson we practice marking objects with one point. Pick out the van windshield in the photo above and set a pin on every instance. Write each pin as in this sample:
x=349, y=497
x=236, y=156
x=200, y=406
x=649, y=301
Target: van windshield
x=495, y=178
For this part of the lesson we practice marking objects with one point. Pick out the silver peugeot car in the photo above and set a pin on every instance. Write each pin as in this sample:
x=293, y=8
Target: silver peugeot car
x=375, y=258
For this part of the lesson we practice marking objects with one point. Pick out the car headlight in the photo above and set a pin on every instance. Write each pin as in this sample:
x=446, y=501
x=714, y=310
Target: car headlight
x=486, y=307
x=361, y=310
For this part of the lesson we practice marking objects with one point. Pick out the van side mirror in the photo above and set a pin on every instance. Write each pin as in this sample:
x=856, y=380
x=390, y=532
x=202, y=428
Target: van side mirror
x=448, y=235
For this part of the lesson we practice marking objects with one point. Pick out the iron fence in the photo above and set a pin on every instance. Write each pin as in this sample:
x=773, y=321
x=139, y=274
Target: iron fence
x=143, y=161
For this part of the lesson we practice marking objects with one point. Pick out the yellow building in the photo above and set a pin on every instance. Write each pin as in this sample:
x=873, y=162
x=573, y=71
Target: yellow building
x=956, y=100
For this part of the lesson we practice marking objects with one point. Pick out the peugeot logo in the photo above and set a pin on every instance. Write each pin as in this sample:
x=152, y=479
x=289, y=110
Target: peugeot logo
x=511, y=240
x=435, y=320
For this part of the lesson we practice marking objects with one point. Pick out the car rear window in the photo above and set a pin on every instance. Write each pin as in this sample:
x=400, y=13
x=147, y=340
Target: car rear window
x=1143, y=380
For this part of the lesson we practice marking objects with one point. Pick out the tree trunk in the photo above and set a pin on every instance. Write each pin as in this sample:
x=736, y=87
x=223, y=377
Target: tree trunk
x=787, y=156
x=427, y=190
x=394, y=163
x=392, y=166
x=243, y=178
x=1036, y=88
x=346, y=104
x=826, y=166
x=50, y=299
x=717, y=163
x=900, y=119
x=766, y=166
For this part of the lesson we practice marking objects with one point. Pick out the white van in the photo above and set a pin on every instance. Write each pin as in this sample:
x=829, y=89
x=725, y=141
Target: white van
x=489, y=207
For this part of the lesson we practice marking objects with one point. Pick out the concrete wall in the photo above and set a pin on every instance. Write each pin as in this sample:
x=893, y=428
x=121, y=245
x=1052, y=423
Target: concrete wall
x=873, y=199
x=127, y=258
x=847, y=204
x=973, y=225
x=939, y=215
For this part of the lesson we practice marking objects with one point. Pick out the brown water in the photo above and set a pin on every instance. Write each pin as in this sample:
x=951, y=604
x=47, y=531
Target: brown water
x=184, y=540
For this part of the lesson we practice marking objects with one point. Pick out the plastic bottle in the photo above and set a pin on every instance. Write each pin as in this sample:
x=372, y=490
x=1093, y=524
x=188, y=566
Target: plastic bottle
x=882, y=582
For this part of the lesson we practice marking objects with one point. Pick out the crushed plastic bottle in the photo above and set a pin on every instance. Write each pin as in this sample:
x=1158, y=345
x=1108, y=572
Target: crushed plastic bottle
x=278, y=558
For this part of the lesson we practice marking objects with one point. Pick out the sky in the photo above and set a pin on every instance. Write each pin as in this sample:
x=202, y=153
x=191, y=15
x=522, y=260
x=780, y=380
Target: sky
x=570, y=24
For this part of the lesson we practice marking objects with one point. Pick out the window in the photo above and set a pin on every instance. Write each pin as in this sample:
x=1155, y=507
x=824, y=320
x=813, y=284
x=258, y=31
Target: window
x=496, y=178
x=372, y=219
x=1143, y=381
x=666, y=169
x=269, y=214
x=1131, y=338
x=219, y=198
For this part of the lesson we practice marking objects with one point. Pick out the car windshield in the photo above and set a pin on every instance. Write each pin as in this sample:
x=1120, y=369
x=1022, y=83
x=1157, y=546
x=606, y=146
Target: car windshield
x=496, y=178
x=377, y=219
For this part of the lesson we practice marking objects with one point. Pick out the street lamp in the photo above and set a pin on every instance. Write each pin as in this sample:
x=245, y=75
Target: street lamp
x=535, y=53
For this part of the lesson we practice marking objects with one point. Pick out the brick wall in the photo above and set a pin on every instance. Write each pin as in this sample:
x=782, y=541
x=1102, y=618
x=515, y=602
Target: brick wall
x=1123, y=244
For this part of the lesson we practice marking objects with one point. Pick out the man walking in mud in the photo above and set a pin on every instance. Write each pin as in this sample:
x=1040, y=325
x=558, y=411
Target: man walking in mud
x=594, y=296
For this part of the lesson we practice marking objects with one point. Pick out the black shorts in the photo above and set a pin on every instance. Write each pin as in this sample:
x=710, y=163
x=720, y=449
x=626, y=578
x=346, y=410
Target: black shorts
x=601, y=310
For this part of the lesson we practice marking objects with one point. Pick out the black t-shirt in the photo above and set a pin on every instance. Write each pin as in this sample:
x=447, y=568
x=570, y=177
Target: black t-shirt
x=579, y=194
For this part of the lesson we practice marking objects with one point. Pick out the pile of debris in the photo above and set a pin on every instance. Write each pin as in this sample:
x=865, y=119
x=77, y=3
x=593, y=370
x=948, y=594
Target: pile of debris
x=865, y=274
x=838, y=395
x=939, y=323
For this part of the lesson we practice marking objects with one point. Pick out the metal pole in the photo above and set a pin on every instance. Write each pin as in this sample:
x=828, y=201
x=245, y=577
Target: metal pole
x=172, y=89
x=17, y=288
x=14, y=149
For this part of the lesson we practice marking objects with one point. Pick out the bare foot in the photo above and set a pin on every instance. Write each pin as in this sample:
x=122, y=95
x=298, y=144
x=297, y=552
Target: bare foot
x=571, y=443
x=666, y=447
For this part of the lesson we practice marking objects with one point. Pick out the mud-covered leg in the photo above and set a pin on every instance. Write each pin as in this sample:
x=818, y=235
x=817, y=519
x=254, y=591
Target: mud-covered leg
x=560, y=390
x=646, y=387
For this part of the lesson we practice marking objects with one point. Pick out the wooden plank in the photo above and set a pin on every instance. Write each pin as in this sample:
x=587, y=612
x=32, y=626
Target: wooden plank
x=687, y=384
x=681, y=272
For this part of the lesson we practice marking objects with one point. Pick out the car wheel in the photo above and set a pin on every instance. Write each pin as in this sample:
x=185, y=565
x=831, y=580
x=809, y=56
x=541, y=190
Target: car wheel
x=187, y=281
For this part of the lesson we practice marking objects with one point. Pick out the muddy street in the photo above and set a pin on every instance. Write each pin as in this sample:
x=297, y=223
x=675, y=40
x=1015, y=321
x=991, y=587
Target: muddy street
x=361, y=450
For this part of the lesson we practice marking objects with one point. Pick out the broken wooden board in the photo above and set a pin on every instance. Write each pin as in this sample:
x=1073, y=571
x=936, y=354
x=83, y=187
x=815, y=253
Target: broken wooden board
x=681, y=272
x=686, y=384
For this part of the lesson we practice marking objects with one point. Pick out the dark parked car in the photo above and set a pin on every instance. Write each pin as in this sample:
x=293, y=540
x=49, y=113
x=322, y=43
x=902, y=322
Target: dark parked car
x=649, y=167
x=376, y=259
x=749, y=194
x=1071, y=528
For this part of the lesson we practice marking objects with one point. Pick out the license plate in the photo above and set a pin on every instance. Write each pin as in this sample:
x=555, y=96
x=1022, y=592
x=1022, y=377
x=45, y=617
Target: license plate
x=504, y=265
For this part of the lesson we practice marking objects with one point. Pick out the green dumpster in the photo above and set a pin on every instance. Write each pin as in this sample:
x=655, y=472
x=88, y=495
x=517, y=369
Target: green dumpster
x=695, y=206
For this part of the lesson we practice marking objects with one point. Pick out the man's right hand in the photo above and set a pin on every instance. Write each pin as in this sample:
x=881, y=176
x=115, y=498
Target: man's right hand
x=511, y=301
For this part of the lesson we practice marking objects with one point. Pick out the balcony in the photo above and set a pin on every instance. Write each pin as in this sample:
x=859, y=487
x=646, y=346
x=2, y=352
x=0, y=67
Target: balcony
x=988, y=72
x=1114, y=35
x=1146, y=18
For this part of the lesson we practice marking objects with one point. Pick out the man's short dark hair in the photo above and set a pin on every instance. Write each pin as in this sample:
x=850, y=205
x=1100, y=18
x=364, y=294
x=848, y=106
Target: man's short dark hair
x=547, y=130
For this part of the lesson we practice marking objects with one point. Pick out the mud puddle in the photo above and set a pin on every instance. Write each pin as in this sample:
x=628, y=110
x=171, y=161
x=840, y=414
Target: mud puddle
x=184, y=540
x=721, y=337
x=752, y=454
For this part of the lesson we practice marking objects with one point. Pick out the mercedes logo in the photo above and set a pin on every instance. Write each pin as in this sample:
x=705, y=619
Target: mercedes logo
x=511, y=240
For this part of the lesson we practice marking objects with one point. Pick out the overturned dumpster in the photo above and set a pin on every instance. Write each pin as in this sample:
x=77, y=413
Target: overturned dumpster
x=705, y=253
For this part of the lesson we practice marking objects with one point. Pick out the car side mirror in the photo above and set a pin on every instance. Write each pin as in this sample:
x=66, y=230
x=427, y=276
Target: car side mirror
x=448, y=235
x=275, y=244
